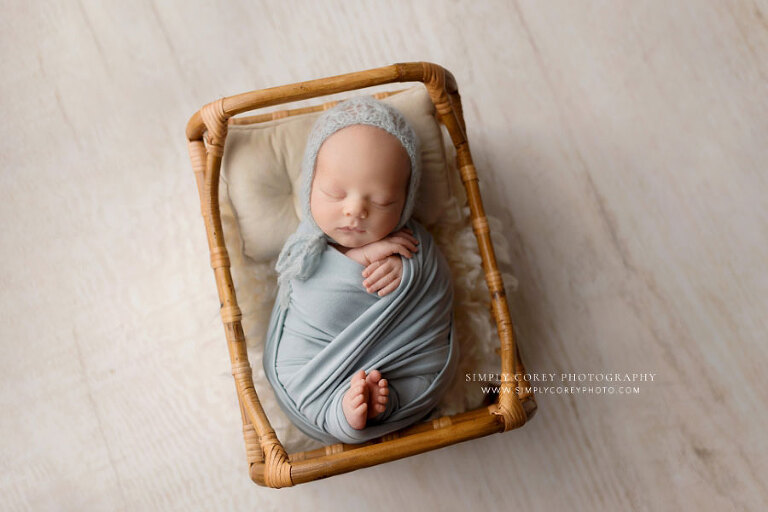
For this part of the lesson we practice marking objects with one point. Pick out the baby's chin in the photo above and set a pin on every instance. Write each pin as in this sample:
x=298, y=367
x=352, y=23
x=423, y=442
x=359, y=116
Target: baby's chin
x=352, y=240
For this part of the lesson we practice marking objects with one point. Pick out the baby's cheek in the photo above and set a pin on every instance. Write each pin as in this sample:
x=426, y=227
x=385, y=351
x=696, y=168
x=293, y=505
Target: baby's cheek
x=320, y=212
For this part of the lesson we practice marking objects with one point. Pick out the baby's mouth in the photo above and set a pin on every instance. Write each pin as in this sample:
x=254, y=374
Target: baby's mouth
x=349, y=229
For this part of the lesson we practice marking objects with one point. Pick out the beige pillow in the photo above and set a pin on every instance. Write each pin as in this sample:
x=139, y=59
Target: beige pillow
x=261, y=168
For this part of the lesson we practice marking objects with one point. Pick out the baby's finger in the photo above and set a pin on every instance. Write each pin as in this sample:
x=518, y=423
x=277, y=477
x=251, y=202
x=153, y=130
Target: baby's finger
x=398, y=248
x=373, y=266
x=406, y=242
x=383, y=282
x=376, y=275
x=405, y=252
x=407, y=234
x=390, y=287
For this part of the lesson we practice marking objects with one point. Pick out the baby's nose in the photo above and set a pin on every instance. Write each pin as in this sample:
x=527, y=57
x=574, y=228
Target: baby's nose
x=355, y=208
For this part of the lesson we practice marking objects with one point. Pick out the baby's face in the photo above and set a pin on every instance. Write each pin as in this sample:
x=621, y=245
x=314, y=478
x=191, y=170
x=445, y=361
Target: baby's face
x=359, y=186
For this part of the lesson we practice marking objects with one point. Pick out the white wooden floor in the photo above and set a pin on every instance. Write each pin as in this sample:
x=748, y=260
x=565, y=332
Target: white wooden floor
x=622, y=143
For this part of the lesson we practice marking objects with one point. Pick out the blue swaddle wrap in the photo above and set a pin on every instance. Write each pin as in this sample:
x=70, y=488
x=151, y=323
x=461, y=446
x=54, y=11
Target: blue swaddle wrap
x=333, y=327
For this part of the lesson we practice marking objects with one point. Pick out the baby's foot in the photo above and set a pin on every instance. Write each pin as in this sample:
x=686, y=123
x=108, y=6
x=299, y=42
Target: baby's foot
x=378, y=390
x=355, y=401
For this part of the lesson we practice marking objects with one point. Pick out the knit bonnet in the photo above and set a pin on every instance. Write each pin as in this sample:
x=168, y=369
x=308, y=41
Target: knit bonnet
x=302, y=250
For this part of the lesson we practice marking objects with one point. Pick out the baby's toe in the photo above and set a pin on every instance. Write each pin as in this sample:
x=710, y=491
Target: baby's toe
x=374, y=376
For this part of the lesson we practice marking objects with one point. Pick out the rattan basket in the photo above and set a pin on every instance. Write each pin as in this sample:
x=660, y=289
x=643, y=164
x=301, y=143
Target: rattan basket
x=269, y=464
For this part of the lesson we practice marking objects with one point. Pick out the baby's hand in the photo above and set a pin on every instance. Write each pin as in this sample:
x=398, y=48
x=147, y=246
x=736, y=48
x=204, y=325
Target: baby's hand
x=383, y=275
x=401, y=242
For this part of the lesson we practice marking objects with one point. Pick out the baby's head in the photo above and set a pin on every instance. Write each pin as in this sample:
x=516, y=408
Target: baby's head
x=361, y=171
x=360, y=185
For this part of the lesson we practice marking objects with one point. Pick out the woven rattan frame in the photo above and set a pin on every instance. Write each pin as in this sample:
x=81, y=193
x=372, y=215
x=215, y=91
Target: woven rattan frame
x=268, y=461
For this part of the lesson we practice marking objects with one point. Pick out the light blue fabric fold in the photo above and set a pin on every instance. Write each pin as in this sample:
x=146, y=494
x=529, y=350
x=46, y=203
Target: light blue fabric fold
x=332, y=328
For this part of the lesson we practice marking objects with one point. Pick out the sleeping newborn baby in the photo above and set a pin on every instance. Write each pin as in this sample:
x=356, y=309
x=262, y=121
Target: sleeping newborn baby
x=360, y=341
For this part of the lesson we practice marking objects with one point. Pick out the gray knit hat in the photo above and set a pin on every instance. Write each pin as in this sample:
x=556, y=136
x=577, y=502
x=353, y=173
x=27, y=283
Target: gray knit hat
x=303, y=249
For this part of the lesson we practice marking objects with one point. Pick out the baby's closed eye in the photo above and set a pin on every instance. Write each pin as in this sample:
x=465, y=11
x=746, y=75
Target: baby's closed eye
x=382, y=202
x=334, y=194
x=385, y=203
